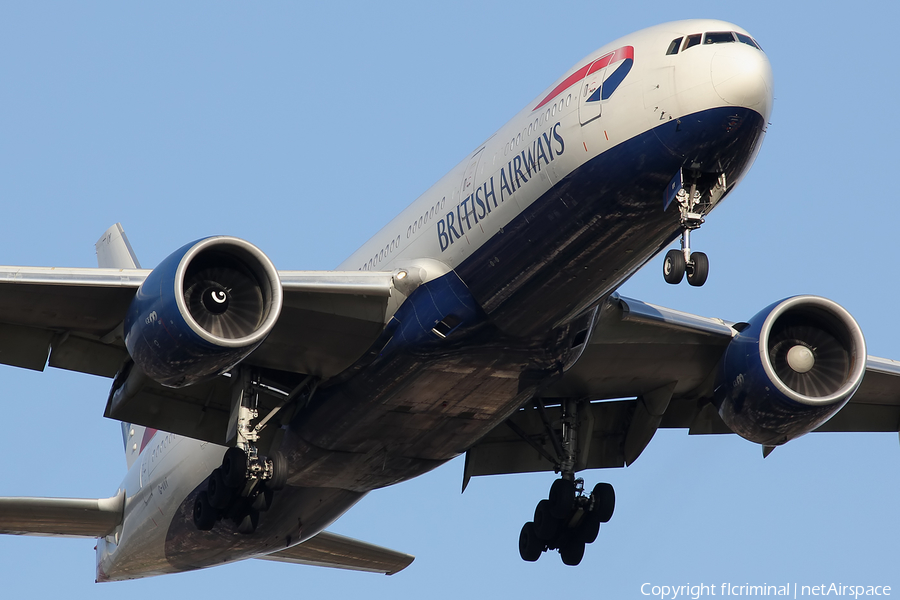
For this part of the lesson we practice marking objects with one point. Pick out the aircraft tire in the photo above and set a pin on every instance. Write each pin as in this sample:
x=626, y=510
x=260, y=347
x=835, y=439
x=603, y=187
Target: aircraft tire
x=218, y=493
x=280, y=468
x=604, y=502
x=589, y=528
x=699, y=271
x=673, y=267
x=234, y=467
x=205, y=515
x=572, y=552
x=562, y=498
x=545, y=524
x=530, y=547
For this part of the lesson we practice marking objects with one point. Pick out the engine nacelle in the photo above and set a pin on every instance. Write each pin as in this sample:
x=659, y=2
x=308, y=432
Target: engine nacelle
x=794, y=365
x=205, y=308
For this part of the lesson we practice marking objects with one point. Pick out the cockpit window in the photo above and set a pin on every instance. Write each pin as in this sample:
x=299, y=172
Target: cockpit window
x=718, y=37
x=692, y=40
x=746, y=39
x=714, y=37
x=674, y=46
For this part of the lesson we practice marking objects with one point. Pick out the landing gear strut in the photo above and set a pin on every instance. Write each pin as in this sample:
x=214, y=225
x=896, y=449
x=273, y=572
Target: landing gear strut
x=568, y=518
x=692, y=209
x=245, y=483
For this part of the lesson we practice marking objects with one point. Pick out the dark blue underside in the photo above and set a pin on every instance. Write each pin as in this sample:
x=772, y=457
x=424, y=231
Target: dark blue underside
x=593, y=229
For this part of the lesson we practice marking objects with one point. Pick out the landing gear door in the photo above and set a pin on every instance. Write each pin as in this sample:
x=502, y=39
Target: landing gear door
x=589, y=101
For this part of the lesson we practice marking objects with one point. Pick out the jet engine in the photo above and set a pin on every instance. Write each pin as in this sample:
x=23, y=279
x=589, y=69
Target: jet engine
x=204, y=309
x=790, y=369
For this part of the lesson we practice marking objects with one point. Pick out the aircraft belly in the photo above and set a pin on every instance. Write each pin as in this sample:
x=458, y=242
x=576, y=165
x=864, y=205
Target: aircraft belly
x=408, y=414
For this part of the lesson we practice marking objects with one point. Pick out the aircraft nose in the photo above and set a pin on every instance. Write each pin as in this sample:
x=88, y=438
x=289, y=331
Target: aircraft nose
x=742, y=76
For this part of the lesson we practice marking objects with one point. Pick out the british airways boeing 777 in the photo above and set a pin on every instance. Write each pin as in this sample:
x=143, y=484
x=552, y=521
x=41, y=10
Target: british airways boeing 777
x=259, y=405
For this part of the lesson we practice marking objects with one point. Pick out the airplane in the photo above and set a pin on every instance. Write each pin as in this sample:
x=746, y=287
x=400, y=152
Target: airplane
x=259, y=405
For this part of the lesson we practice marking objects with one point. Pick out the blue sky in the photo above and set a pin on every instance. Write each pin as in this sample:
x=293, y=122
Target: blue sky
x=304, y=129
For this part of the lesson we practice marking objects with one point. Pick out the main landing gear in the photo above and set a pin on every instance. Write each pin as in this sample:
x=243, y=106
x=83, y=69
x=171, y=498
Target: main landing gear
x=568, y=519
x=240, y=490
x=692, y=211
x=245, y=483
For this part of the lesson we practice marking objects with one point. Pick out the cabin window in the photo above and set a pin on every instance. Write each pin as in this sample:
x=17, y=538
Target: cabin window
x=718, y=37
x=692, y=40
x=746, y=39
x=674, y=46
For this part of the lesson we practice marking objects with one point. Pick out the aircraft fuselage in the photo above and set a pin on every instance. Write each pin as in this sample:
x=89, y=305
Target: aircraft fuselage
x=539, y=224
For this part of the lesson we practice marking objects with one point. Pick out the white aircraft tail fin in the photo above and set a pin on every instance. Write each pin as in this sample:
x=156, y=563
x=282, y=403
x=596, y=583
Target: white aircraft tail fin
x=62, y=517
x=135, y=437
x=114, y=251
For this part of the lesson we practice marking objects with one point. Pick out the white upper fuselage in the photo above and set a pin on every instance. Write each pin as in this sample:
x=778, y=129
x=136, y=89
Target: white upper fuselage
x=659, y=87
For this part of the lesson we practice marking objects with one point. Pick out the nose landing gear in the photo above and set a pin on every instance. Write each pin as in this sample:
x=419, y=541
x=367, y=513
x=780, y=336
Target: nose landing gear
x=692, y=209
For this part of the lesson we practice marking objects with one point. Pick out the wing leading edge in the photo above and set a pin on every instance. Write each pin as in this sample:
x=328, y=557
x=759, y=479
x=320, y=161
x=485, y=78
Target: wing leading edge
x=71, y=318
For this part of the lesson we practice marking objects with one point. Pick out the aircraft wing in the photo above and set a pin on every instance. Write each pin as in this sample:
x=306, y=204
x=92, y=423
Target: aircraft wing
x=72, y=319
x=333, y=550
x=62, y=517
x=74, y=316
x=647, y=367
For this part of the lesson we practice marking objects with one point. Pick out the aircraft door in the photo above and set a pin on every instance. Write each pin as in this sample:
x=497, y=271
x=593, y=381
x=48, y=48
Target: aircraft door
x=145, y=468
x=468, y=183
x=589, y=102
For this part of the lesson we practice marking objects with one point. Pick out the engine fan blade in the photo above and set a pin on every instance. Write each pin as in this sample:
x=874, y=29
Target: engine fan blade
x=236, y=315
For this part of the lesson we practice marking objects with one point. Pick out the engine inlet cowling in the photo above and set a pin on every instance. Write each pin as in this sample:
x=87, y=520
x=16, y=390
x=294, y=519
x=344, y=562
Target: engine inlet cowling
x=790, y=369
x=202, y=310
